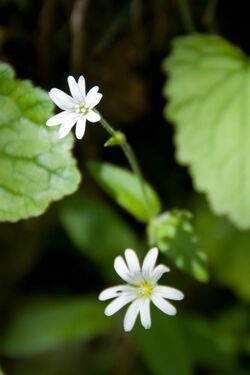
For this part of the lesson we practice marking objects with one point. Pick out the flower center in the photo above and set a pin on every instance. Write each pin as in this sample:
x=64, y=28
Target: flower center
x=81, y=109
x=145, y=289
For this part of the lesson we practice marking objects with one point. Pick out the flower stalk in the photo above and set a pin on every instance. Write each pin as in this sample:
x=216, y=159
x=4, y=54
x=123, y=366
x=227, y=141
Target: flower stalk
x=130, y=155
x=186, y=16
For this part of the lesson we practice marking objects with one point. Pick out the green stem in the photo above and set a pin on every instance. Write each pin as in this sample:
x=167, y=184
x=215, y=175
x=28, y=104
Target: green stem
x=209, y=16
x=186, y=16
x=130, y=155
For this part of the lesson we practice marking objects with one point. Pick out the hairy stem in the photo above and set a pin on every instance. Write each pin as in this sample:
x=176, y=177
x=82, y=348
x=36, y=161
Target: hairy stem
x=130, y=155
x=186, y=16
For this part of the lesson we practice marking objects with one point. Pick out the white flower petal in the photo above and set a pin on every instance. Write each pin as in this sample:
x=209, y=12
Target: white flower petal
x=142, y=289
x=91, y=94
x=114, y=291
x=93, y=116
x=131, y=315
x=145, y=313
x=149, y=262
x=65, y=129
x=158, y=272
x=122, y=269
x=82, y=86
x=74, y=89
x=68, y=125
x=163, y=305
x=168, y=292
x=61, y=99
x=118, y=303
x=132, y=261
x=96, y=100
x=58, y=119
x=93, y=97
x=80, y=127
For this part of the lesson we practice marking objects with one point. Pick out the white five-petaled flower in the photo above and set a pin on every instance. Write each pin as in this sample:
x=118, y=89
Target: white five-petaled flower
x=76, y=108
x=142, y=288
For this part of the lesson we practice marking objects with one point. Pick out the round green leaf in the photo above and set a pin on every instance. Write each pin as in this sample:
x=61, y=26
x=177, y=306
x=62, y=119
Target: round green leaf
x=173, y=233
x=209, y=101
x=36, y=167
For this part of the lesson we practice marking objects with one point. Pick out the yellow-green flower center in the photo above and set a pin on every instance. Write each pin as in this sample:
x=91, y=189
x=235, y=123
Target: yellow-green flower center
x=145, y=289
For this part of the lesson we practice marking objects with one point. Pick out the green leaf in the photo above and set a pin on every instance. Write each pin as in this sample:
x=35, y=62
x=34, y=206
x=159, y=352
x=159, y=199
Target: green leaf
x=173, y=233
x=164, y=347
x=50, y=323
x=227, y=249
x=36, y=167
x=178, y=345
x=1, y=371
x=207, y=347
x=209, y=97
x=124, y=187
x=96, y=229
x=218, y=341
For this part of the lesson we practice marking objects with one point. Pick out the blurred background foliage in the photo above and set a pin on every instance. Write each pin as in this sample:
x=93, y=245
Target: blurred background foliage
x=53, y=267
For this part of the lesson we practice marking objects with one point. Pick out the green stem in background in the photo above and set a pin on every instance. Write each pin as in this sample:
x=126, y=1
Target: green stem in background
x=130, y=155
x=186, y=16
x=209, y=16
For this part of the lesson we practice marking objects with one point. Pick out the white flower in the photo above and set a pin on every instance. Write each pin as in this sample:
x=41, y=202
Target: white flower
x=76, y=108
x=142, y=288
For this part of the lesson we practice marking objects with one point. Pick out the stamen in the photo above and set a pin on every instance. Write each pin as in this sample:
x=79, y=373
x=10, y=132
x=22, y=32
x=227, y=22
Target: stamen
x=81, y=108
x=77, y=108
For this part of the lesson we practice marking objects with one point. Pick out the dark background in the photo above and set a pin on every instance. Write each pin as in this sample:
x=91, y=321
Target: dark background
x=119, y=45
